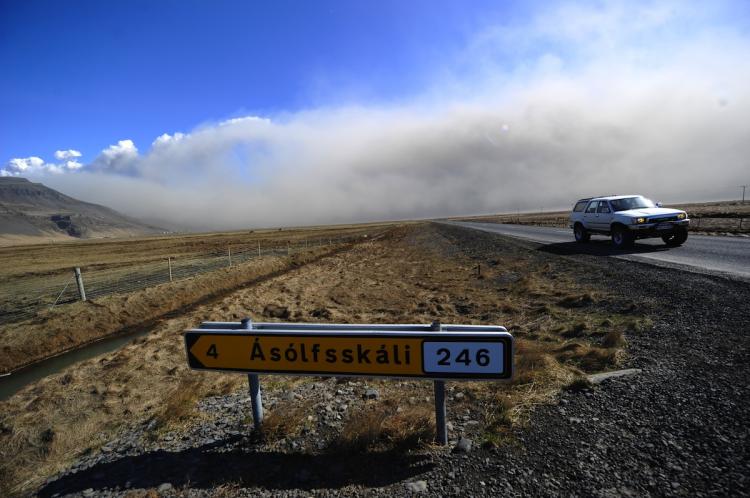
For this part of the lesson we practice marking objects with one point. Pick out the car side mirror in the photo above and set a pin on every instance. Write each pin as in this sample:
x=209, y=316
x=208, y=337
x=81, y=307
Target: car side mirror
x=658, y=204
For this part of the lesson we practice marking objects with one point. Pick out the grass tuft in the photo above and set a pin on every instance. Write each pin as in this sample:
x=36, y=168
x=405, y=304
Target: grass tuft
x=361, y=431
x=287, y=419
x=614, y=339
x=385, y=427
x=576, y=300
x=180, y=405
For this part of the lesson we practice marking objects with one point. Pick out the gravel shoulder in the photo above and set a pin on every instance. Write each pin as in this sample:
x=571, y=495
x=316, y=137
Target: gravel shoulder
x=679, y=428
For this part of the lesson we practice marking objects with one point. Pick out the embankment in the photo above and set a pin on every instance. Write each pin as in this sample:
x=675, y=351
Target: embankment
x=72, y=326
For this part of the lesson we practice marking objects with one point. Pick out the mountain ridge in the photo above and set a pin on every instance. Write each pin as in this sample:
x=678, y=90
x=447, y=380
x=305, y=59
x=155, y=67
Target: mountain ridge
x=30, y=211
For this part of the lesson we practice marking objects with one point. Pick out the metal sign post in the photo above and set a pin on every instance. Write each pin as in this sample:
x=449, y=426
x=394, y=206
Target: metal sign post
x=430, y=352
x=441, y=429
x=256, y=401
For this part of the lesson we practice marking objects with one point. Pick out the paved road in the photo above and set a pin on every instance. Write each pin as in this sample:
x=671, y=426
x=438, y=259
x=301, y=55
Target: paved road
x=725, y=255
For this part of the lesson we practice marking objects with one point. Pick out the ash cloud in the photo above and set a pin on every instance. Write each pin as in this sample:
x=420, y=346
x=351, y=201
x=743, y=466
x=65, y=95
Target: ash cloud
x=615, y=101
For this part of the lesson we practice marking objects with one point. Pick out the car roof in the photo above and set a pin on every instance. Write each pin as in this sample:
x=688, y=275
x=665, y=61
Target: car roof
x=608, y=197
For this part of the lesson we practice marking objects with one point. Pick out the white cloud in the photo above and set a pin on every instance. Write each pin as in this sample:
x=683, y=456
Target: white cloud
x=33, y=166
x=72, y=165
x=62, y=155
x=245, y=120
x=118, y=158
x=25, y=166
x=167, y=139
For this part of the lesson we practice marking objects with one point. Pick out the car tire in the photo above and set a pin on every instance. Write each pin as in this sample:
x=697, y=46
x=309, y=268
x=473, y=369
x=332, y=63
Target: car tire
x=622, y=238
x=677, y=238
x=580, y=233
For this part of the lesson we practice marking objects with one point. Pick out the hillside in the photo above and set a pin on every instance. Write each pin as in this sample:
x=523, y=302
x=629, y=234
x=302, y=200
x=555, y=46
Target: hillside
x=31, y=211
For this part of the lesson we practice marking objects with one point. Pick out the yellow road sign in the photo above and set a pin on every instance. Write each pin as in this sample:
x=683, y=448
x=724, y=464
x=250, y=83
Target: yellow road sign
x=435, y=355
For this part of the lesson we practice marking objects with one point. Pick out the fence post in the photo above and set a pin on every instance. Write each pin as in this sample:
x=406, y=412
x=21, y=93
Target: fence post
x=79, y=281
x=288, y=249
x=256, y=400
x=169, y=262
x=441, y=430
x=258, y=248
x=230, y=256
x=740, y=223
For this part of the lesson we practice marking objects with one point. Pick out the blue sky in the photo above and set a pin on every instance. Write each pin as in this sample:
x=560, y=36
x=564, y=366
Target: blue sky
x=235, y=114
x=84, y=74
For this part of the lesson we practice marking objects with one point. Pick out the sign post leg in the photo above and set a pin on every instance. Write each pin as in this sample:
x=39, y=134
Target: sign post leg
x=256, y=400
x=441, y=430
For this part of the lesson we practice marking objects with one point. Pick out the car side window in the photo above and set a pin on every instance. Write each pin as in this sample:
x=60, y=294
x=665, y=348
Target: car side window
x=592, y=207
x=580, y=206
x=603, y=207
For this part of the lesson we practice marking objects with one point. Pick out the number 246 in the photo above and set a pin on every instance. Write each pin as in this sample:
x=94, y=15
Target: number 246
x=482, y=357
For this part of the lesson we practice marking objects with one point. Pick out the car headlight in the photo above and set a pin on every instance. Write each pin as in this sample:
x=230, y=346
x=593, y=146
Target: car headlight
x=638, y=221
x=681, y=216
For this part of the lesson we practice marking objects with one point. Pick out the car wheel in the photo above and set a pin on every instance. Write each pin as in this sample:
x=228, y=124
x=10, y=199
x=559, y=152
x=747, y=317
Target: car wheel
x=622, y=238
x=677, y=238
x=580, y=233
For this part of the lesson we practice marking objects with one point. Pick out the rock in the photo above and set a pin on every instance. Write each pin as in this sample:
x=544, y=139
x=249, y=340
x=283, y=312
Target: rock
x=321, y=313
x=601, y=377
x=275, y=311
x=416, y=486
x=462, y=446
x=449, y=426
x=371, y=394
x=164, y=487
x=459, y=395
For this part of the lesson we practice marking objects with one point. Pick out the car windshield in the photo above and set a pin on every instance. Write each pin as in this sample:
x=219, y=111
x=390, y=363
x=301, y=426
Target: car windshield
x=631, y=203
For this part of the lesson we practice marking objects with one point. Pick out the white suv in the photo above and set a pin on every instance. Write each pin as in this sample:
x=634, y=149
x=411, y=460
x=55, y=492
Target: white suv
x=626, y=218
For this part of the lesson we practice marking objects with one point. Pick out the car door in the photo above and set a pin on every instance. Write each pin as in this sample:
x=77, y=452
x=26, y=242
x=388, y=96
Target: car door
x=589, y=216
x=603, y=216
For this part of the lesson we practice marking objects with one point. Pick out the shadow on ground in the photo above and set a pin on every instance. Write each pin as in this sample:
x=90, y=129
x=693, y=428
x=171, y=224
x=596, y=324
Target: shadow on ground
x=601, y=248
x=213, y=465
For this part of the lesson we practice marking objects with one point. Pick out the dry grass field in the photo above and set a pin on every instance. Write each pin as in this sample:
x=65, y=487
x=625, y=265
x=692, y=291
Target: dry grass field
x=413, y=274
x=45, y=258
x=49, y=332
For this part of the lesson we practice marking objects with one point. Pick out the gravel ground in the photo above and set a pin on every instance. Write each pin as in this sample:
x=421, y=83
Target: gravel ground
x=678, y=428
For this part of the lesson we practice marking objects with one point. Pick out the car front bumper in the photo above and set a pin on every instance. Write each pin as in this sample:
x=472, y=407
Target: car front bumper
x=658, y=229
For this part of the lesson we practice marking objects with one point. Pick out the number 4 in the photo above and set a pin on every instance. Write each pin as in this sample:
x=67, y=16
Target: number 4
x=212, y=351
x=463, y=357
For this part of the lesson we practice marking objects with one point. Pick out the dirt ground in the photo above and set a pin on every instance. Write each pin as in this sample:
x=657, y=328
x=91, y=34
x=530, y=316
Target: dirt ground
x=415, y=274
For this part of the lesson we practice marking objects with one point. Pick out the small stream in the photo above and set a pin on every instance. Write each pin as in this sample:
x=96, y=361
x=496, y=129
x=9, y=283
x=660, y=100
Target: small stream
x=11, y=384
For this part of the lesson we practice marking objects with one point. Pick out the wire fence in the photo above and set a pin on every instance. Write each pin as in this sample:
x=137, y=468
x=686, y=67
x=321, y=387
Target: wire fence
x=26, y=299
